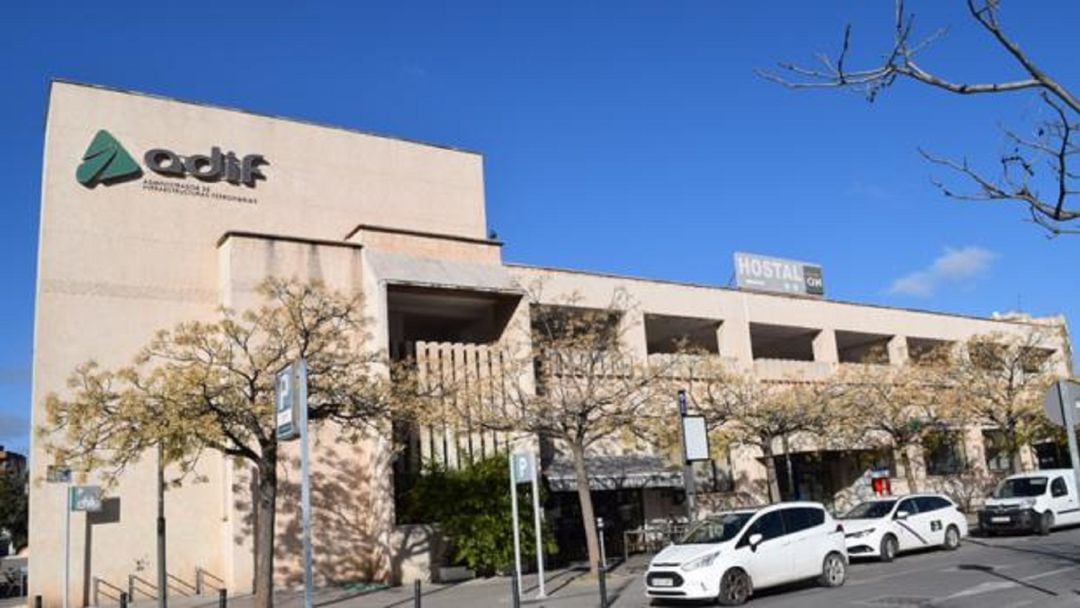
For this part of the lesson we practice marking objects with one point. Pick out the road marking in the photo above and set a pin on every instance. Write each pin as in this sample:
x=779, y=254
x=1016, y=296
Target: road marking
x=1050, y=573
x=981, y=588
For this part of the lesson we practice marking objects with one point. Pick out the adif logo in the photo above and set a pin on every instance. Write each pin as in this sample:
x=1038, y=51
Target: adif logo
x=106, y=162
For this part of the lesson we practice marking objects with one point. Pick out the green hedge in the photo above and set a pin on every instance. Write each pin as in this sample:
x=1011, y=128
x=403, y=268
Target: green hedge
x=472, y=506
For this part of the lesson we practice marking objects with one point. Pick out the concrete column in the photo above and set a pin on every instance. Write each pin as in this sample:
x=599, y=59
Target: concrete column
x=898, y=350
x=975, y=449
x=632, y=333
x=825, y=347
x=733, y=335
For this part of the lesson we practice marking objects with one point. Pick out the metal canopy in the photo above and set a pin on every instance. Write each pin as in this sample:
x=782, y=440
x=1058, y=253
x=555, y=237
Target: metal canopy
x=630, y=471
x=401, y=269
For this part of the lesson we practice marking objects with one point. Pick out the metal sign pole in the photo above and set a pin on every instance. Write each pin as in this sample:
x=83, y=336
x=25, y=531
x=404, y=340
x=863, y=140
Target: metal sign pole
x=539, y=530
x=305, y=481
x=67, y=541
x=1067, y=411
x=517, y=541
x=689, y=485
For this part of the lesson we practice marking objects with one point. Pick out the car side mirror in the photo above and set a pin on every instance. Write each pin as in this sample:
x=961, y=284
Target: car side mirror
x=755, y=540
x=901, y=515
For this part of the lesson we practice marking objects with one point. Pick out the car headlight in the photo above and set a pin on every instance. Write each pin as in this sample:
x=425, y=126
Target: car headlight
x=701, y=562
x=1028, y=502
x=860, y=533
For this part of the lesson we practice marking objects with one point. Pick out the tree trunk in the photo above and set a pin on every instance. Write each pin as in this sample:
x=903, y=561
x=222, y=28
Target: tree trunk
x=790, y=471
x=588, y=519
x=1013, y=445
x=265, y=512
x=770, y=472
x=909, y=470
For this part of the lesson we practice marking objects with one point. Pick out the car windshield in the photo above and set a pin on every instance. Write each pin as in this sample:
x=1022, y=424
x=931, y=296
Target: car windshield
x=1021, y=487
x=870, y=510
x=716, y=529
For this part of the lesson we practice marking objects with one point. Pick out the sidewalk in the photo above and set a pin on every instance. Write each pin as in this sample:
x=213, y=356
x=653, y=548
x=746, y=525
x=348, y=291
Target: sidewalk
x=566, y=588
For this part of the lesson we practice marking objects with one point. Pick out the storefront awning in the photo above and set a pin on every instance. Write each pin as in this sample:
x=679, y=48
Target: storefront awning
x=401, y=269
x=631, y=471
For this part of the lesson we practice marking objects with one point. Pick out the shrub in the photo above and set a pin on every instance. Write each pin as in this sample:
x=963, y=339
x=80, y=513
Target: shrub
x=472, y=506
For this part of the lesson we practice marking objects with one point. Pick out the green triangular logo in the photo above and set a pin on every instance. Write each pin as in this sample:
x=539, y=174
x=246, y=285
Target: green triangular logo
x=106, y=161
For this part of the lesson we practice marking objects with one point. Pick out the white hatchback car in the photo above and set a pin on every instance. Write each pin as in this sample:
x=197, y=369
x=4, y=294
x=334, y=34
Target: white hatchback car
x=884, y=527
x=727, y=556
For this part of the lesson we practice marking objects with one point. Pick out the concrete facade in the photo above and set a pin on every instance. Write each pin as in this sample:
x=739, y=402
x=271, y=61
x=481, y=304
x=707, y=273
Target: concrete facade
x=401, y=222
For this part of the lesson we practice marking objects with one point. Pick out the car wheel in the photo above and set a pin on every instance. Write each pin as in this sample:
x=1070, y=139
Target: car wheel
x=833, y=571
x=952, y=538
x=735, y=588
x=889, y=548
x=1046, y=521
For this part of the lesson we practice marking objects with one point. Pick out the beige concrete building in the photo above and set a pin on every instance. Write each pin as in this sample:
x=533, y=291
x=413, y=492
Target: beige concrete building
x=155, y=211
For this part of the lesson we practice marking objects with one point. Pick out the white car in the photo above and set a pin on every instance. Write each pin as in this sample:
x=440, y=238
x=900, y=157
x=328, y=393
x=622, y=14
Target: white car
x=884, y=527
x=728, y=556
x=1037, y=501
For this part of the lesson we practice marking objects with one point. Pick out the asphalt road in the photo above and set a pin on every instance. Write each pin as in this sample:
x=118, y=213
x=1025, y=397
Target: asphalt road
x=1006, y=572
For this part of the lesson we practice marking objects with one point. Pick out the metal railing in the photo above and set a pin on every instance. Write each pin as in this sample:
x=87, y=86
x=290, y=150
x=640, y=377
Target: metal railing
x=136, y=584
x=201, y=581
x=96, y=588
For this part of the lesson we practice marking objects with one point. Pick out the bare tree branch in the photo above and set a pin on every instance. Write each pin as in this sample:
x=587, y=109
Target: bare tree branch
x=1053, y=149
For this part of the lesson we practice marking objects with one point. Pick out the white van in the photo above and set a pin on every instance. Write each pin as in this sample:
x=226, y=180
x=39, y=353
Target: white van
x=1034, y=502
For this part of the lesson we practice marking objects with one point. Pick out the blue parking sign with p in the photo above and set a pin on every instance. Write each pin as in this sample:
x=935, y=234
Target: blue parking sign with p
x=284, y=410
x=524, y=470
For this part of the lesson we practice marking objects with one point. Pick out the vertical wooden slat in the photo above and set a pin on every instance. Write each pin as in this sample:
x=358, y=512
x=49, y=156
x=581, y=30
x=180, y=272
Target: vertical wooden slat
x=457, y=371
x=468, y=376
x=444, y=373
x=483, y=397
x=424, y=378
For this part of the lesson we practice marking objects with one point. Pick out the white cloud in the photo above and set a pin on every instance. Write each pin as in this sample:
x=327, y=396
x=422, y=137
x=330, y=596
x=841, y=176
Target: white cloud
x=953, y=267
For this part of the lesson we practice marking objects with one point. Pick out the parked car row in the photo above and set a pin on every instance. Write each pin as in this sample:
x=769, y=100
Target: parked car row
x=727, y=557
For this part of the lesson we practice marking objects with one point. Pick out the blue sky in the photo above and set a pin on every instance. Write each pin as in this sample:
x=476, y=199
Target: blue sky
x=628, y=137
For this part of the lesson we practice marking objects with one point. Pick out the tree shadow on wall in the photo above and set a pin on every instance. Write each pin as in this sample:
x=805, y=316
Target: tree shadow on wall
x=353, y=534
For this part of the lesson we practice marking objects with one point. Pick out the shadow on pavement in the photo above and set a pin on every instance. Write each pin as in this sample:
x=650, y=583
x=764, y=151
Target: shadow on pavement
x=1070, y=556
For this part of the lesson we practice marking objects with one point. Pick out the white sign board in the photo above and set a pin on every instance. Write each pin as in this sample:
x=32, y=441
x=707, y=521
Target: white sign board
x=86, y=498
x=1052, y=402
x=696, y=438
x=777, y=274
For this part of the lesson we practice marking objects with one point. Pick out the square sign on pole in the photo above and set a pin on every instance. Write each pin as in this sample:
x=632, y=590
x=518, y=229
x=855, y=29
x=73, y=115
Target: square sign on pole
x=524, y=471
x=85, y=498
x=287, y=403
x=55, y=473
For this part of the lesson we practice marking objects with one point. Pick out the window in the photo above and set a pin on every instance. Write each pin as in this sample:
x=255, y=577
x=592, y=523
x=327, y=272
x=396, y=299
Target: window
x=996, y=450
x=870, y=510
x=802, y=518
x=716, y=529
x=769, y=526
x=1021, y=487
x=1057, y=487
x=931, y=503
x=908, y=505
x=944, y=453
